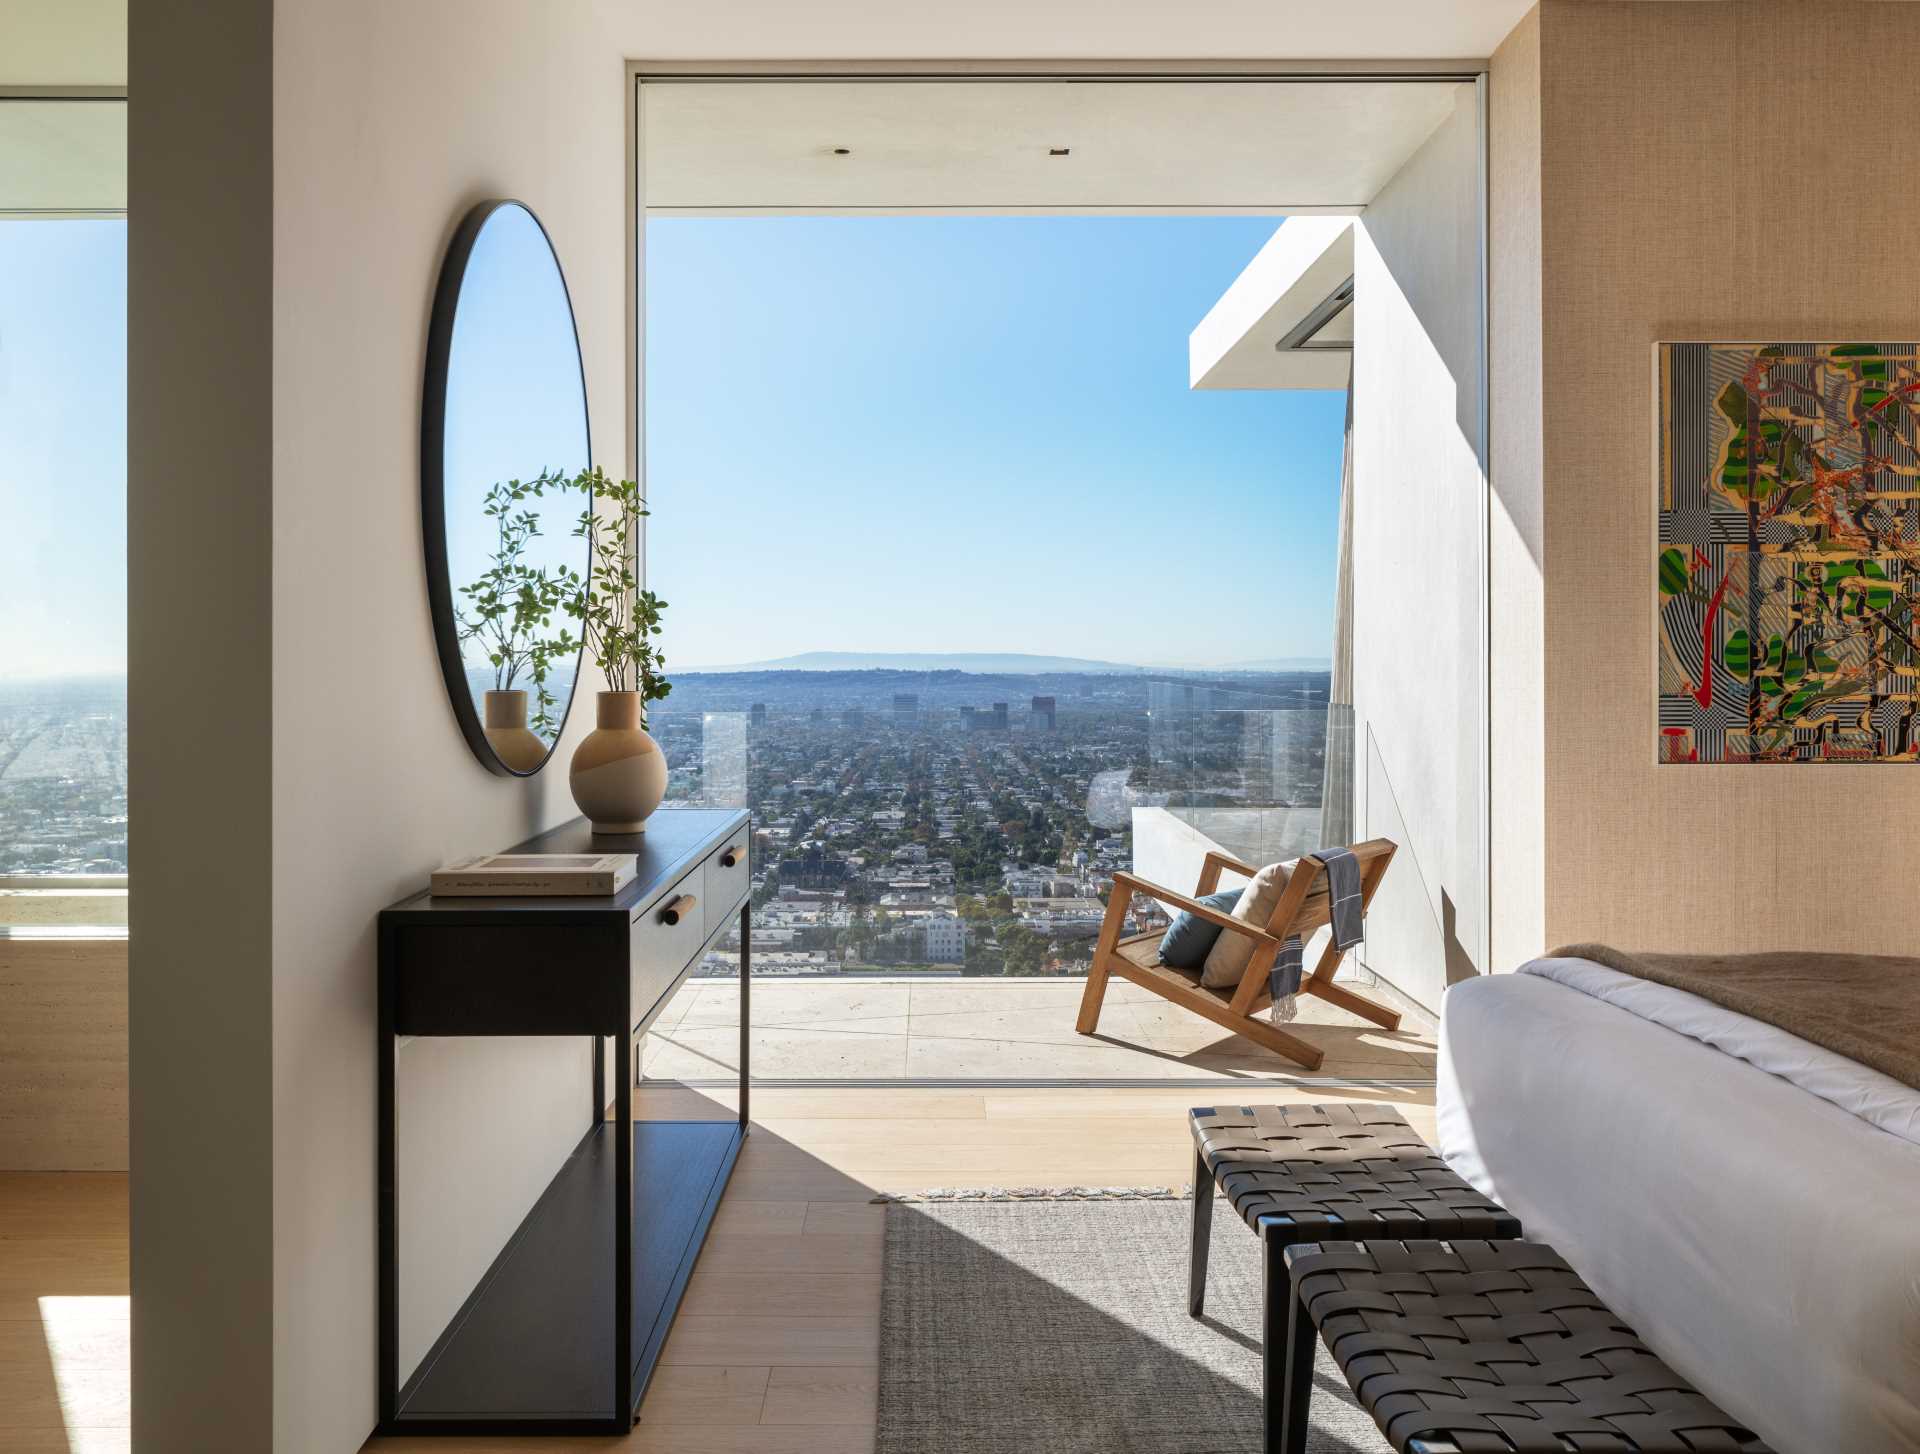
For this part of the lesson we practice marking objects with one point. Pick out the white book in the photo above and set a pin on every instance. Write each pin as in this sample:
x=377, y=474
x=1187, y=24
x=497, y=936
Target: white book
x=534, y=875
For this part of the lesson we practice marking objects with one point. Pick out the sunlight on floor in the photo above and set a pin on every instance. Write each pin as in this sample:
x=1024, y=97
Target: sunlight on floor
x=87, y=1348
x=960, y=1030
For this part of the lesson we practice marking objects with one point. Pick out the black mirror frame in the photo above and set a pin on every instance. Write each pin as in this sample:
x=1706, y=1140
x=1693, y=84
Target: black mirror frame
x=433, y=519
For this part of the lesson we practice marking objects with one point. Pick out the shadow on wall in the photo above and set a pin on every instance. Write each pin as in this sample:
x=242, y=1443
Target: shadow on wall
x=1396, y=951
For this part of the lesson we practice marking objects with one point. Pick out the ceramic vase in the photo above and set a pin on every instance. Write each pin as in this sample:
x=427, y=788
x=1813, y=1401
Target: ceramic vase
x=512, y=741
x=619, y=773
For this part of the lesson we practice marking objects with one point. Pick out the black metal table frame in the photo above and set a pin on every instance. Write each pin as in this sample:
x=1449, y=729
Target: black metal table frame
x=631, y=1376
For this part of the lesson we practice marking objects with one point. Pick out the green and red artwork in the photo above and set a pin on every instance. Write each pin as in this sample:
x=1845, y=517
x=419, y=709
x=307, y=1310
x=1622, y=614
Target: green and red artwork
x=1788, y=562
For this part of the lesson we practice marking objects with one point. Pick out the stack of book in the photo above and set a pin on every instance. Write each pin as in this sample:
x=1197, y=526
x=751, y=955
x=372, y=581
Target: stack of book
x=529, y=875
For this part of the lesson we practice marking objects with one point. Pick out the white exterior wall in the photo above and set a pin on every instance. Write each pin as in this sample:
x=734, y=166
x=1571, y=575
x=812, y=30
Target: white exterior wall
x=1419, y=562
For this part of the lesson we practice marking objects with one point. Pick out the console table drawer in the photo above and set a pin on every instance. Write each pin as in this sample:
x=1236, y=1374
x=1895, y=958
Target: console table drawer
x=726, y=877
x=664, y=938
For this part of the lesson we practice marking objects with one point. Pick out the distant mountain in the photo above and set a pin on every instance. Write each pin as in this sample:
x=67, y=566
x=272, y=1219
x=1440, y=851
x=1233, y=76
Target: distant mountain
x=995, y=663
x=1273, y=663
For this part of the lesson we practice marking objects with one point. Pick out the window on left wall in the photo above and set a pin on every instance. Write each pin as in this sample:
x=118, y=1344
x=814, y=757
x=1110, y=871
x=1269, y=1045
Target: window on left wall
x=63, y=549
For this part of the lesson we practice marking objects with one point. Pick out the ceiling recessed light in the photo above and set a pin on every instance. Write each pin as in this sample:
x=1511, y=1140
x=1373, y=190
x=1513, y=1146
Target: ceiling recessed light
x=1059, y=151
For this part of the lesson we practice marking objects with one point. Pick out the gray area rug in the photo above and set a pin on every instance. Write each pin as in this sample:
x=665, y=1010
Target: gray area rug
x=1061, y=1327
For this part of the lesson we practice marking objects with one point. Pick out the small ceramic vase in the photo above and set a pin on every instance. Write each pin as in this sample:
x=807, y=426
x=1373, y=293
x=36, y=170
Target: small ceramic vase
x=512, y=741
x=619, y=774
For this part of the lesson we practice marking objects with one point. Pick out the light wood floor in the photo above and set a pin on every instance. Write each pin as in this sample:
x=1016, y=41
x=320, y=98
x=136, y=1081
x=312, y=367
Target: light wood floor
x=776, y=1348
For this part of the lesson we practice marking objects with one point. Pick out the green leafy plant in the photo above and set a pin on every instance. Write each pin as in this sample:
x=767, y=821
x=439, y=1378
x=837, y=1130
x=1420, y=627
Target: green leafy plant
x=618, y=620
x=507, y=611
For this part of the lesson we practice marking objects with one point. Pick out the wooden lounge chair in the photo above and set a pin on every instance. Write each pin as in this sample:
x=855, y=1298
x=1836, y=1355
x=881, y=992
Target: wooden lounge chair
x=1301, y=910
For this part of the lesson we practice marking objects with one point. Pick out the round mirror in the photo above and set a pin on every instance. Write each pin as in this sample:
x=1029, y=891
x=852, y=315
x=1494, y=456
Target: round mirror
x=503, y=434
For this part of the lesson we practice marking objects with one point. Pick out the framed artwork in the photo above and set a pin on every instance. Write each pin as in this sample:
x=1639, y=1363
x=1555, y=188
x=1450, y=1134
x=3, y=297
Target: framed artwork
x=1787, y=568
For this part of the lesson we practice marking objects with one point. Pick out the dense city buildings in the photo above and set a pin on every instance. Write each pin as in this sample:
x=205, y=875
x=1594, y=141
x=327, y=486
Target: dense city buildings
x=896, y=831
x=921, y=832
x=63, y=776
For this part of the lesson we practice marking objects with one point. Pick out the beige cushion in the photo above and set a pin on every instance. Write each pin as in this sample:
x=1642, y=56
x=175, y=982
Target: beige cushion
x=1227, y=960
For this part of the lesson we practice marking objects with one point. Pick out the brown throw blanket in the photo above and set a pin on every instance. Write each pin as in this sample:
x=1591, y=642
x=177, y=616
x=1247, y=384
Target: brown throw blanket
x=1863, y=1006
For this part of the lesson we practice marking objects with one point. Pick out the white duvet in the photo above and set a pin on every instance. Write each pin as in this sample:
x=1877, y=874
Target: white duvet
x=1747, y=1200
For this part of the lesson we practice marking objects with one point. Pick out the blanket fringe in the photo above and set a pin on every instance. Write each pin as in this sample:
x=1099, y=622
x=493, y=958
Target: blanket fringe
x=1035, y=1194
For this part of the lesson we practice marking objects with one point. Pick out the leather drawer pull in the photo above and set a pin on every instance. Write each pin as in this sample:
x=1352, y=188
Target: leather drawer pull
x=731, y=856
x=682, y=905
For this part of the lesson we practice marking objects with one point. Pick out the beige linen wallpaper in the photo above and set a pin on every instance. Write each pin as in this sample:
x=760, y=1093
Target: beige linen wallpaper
x=1703, y=171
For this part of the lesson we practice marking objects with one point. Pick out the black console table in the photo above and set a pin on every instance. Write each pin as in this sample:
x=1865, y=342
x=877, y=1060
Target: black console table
x=562, y=1332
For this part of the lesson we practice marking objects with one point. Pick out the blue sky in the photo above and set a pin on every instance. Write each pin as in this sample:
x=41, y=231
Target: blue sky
x=973, y=434
x=63, y=447
x=863, y=434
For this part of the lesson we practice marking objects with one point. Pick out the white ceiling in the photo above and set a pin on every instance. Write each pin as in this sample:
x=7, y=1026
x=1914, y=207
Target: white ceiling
x=63, y=42
x=1288, y=146
x=1065, y=29
x=63, y=157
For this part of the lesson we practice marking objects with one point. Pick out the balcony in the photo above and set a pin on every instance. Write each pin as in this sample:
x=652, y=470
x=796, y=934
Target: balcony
x=888, y=949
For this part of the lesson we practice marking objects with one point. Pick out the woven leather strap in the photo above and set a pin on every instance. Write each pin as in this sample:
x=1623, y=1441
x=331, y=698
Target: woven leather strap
x=1346, y=1171
x=1497, y=1348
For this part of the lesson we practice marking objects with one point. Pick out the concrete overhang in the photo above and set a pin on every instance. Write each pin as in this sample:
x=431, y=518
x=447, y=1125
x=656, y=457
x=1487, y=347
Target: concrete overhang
x=1287, y=320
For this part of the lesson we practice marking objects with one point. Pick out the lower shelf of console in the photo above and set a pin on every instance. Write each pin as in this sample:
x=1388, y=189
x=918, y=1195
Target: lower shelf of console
x=533, y=1348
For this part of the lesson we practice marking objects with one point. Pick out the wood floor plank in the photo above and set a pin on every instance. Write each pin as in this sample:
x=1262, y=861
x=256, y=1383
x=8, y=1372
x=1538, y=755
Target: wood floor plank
x=90, y=1397
x=841, y=1218
x=739, y=1217
x=778, y=1342
x=93, y=1343
x=821, y=1396
x=63, y=1204
x=759, y=1439
x=1037, y=1162
x=76, y=1440
x=837, y=1139
x=779, y=1255
x=828, y=1294
x=707, y=1394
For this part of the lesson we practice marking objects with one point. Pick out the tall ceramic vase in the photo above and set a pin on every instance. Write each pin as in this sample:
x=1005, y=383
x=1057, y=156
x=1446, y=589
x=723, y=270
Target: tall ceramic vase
x=619, y=773
x=513, y=742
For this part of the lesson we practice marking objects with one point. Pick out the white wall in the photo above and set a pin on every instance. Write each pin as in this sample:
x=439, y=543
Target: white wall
x=297, y=169
x=1419, y=679
x=389, y=122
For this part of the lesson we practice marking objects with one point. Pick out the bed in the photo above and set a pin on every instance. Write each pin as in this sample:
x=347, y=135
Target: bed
x=1748, y=1200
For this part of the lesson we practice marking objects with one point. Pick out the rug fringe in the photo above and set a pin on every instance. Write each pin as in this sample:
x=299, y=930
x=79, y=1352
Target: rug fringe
x=1035, y=1194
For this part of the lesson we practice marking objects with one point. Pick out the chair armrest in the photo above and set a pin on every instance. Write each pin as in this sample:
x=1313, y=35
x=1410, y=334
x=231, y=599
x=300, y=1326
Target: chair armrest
x=1215, y=857
x=1126, y=883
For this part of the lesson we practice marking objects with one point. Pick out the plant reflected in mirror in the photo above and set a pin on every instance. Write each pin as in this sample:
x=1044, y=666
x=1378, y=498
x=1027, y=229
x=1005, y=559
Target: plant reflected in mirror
x=508, y=612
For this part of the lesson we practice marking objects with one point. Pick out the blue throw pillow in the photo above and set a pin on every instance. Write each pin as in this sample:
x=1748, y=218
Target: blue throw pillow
x=1189, y=937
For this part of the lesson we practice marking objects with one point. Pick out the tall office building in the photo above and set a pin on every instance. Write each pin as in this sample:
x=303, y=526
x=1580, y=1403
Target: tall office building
x=906, y=709
x=758, y=716
x=1043, y=714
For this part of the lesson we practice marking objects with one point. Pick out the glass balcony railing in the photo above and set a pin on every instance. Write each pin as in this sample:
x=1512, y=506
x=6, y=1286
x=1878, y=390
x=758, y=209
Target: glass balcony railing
x=1262, y=775
x=923, y=837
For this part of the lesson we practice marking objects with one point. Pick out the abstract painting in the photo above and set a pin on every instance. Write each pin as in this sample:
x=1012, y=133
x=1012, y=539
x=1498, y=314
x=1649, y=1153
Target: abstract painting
x=1788, y=561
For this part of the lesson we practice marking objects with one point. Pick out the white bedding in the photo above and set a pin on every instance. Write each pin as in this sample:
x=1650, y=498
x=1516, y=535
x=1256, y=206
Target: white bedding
x=1749, y=1202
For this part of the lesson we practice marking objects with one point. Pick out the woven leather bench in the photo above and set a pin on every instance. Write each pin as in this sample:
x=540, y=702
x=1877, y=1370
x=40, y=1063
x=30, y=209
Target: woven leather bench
x=1300, y=1174
x=1474, y=1347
